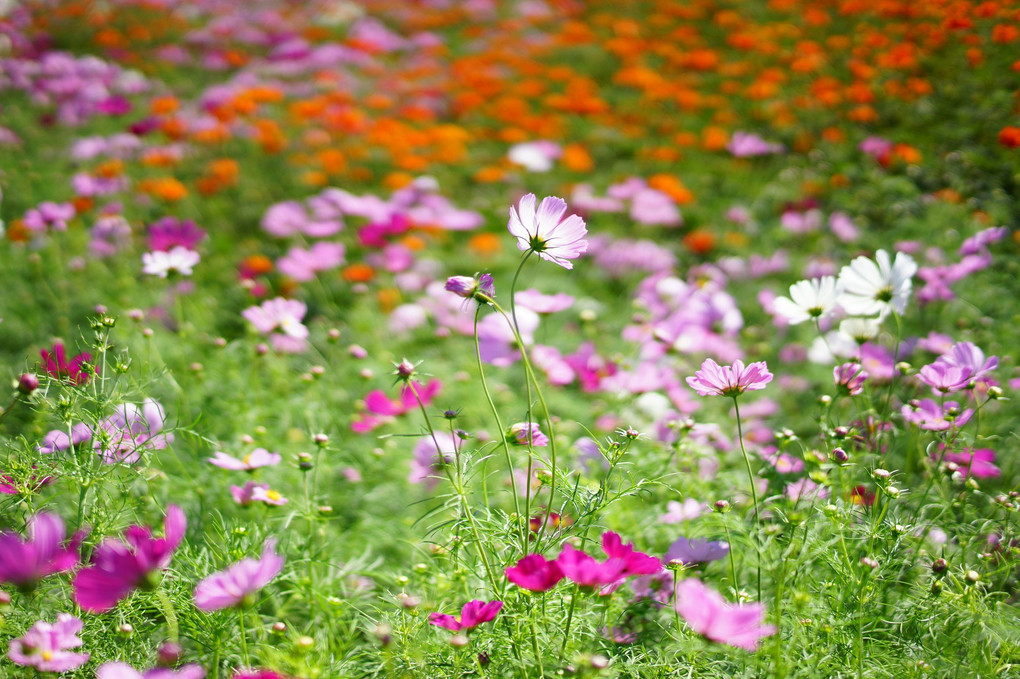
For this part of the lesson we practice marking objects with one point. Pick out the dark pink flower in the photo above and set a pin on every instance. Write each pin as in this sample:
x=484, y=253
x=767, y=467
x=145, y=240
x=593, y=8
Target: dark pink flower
x=849, y=378
x=169, y=232
x=118, y=670
x=716, y=380
x=535, y=572
x=56, y=365
x=473, y=614
x=120, y=566
x=707, y=614
x=586, y=571
x=25, y=562
x=380, y=409
x=979, y=462
x=636, y=563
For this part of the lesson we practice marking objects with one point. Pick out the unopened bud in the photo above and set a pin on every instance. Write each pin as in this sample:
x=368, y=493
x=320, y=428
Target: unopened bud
x=321, y=440
x=125, y=630
x=939, y=565
x=722, y=506
x=169, y=654
x=304, y=462
x=305, y=642
x=839, y=455
x=459, y=641
x=279, y=627
x=973, y=576
x=869, y=562
x=28, y=383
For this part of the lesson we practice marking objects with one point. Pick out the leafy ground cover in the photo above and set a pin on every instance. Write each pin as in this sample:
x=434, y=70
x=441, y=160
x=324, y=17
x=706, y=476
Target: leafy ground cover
x=512, y=339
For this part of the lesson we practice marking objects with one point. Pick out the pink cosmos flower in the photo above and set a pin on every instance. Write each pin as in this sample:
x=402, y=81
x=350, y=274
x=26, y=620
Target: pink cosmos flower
x=48, y=215
x=635, y=562
x=381, y=409
x=473, y=614
x=24, y=563
x=253, y=492
x=696, y=550
x=586, y=571
x=45, y=645
x=169, y=232
x=280, y=318
x=427, y=462
x=979, y=462
x=944, y=378
x=543, y=304
x=57, y=439
x=967, y=355
x=236, y=585
x=118, y=567
x=260, y=457
x=716, y=380
x=535, y=572
x=132, y=430
x=748, y=144
x=303, y=265
x=257, y=674
x=929, y=415
x=707, y=614
x=56, y=365
x=119, y=670
x=545, y=232
x=677, y=512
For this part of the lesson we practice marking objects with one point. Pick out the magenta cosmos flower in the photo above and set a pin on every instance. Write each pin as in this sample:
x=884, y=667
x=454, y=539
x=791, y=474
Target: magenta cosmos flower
x=545, y=232
x=24, y=563
x=729, y=380
x=45, y=645
x=711, y=617
x=535, y=572
x=236, y=585
x=119, y=670
x=118, y=567
x=55, y=364
x=473, y=614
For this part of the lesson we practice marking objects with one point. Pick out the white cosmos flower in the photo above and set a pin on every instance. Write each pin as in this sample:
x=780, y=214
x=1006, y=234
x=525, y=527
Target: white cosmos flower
x=877, y=287
x=859, y=330
x=179, y=260
x=811, y=299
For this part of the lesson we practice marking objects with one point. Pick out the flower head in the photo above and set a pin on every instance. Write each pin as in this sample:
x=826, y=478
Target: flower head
x=236, y=584
x=809, y=300
x=119, y=670
x=280, y=318
x=525, y=433
x=178, y=260
x=535, y=572
x=876, y=287
x=56, y=365
x=729, y=380
x=25, y=562
x=120, y=566
x=260, y=457
x=545, y=232
x=45, y=645
x=707, y=614
x=473, y=613
x=849, y=378
x=482, y=289
x=696, y=550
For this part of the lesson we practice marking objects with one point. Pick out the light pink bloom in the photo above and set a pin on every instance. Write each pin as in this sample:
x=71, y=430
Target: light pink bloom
x=930, y=416
x=716, y=380
x=303, y=265
x=260, y=457
x=131, y=430
x=45, y=645
x=748, y=144
x=543, y=304
x=235, y=585
x=707, y=614
x=545, y=232
x=280, y=318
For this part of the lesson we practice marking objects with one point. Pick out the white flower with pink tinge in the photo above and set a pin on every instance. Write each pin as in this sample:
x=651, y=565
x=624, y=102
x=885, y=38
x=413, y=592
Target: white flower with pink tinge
x=280, y=318
x=546, y=232
x=179, y=260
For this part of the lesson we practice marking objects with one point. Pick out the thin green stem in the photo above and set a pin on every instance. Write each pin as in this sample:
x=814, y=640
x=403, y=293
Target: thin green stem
x=754, y=494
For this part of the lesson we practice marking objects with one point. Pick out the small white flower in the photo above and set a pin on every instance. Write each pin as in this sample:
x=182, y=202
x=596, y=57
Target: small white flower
x=179, y=260
x=860, y=330
x=811, y=299
x=877, y=287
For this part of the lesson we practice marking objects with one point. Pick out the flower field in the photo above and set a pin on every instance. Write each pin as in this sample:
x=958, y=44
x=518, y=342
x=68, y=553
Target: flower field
x=509, y=338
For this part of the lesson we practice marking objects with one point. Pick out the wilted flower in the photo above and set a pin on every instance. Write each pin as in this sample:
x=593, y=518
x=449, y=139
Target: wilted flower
x=481, y=289
x=849, y=378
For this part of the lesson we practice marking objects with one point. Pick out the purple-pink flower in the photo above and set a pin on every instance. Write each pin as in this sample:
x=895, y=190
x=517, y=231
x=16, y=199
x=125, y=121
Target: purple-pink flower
x=24, y=563
x=260, y=457
x=849, y=378
x=280, y=318
x=525, y=433
x=929, y=415
x=535, y=572
x=473, y=613
x=707, y=614
x=236, y=585
x=45, y=645
x=120, y=566
x=944, y=378
x=253, y=492
x=729, y=380
x=545, y=232
x=169, y=232
x=586, y=571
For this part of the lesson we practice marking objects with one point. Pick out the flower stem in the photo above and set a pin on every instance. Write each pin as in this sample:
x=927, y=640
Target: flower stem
x=754, y=494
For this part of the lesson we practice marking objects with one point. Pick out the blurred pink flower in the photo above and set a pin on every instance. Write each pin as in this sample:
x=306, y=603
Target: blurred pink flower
x=45, y=645
x=235, y=585
x=707, y=614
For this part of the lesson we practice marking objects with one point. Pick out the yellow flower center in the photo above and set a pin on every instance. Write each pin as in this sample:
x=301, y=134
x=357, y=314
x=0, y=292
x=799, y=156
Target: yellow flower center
x=273, y=495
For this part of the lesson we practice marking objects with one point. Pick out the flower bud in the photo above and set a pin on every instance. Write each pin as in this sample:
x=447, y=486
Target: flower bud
x=169, y=654
x=839, y=455
x=459, y=641
x=125, y=630
x=939, y=565
x=28, y=383
x=279, y=627
x=722, y=506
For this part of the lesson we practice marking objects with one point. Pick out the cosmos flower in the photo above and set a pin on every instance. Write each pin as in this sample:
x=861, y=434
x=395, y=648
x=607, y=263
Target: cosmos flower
x=809, y=300
x=707, y=614
x=24, y=563
x=280, y=318
x=45, y=645
x=55, y=364
x=523, y=433
x=716, y=380
x=535, y=572
x=235, y=585
x=260, y=457
x=119, y=670
x=473, y=613
x=929, y=415
x=694, y=551
x=545, y=232
x=877, y=287
x=178, y=260
x=849, y=378
x=120, y=566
